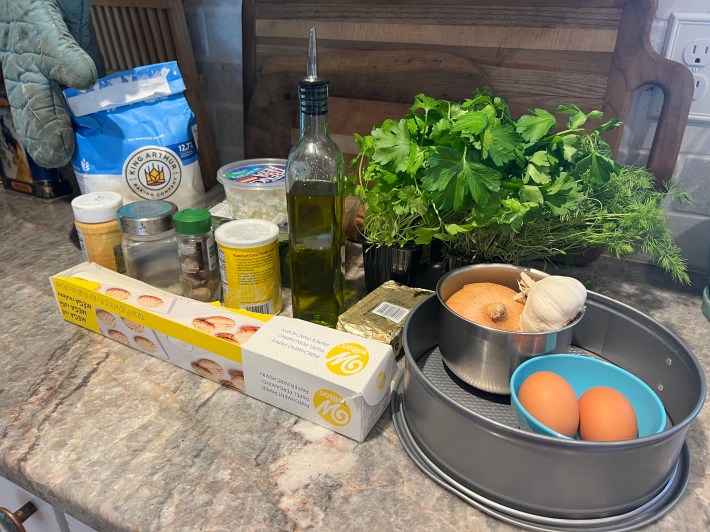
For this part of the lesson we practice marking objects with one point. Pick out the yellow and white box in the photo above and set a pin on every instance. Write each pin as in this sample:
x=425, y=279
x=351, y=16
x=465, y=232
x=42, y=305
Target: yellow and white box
x=333, y=378
x=329, y=377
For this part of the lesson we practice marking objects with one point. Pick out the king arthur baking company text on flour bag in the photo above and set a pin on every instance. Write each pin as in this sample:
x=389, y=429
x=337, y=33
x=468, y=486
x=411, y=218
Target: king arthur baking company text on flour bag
x=136, y=135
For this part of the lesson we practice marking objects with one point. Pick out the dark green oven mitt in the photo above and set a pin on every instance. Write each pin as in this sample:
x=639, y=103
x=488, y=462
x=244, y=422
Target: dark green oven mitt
x=40, y=55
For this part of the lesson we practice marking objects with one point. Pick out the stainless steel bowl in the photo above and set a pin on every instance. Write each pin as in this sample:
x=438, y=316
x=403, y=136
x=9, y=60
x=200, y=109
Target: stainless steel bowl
x=482, y=356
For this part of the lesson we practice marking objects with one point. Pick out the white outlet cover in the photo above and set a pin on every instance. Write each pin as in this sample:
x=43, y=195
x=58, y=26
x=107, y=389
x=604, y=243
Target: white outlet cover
x=685, y=24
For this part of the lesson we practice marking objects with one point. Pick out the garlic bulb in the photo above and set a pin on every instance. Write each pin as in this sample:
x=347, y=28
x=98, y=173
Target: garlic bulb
x=551, y=303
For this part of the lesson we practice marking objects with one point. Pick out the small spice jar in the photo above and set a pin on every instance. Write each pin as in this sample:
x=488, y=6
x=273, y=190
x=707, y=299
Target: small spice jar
x=198, y=254
x=150, y=247
x=97, y=227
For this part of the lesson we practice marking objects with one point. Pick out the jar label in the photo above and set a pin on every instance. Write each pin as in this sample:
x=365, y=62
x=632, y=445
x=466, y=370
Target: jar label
x=211, y=253
x=82, y=244
x=251, y=278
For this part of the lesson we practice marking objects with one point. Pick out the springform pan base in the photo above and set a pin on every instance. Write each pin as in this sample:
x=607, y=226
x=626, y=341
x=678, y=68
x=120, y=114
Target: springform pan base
x=649, y=512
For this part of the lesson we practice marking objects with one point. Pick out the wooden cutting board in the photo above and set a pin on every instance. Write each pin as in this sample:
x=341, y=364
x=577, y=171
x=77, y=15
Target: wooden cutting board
x=378, y=56
x=358, y=100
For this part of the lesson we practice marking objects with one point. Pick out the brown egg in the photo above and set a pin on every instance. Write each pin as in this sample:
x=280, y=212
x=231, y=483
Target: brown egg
x=606, y=415
x=551, y=400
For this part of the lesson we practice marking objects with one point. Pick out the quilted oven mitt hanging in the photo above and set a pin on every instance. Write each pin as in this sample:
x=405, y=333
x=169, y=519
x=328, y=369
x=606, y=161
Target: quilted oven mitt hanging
x=39, y=55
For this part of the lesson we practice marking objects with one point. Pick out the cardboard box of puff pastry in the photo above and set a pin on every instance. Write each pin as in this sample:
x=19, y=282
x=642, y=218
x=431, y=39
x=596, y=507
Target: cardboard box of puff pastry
x=332, y=378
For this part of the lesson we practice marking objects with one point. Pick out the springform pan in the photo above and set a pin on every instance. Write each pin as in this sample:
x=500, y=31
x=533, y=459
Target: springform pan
x=473, y=436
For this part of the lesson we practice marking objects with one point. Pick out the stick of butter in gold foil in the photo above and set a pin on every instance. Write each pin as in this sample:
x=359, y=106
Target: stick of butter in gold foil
x=381, y=314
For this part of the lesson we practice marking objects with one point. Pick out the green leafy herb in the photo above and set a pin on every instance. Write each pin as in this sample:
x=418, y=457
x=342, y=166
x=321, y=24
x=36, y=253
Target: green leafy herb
x=534, y=127
x=392, y=144
x=504, y=189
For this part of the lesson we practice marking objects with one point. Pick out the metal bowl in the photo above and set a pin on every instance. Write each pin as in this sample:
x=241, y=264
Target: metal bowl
x=482, y=356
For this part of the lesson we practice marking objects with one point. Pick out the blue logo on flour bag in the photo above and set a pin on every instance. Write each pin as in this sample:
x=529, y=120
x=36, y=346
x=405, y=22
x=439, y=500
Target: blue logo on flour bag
x=137, y=135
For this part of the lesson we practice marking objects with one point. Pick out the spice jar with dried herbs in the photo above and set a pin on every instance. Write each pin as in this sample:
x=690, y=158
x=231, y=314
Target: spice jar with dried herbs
x=200, y=277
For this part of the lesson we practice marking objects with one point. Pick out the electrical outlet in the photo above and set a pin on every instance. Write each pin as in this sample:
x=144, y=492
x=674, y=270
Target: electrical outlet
x=688, y=42
x=697, y=53
x=700, y=85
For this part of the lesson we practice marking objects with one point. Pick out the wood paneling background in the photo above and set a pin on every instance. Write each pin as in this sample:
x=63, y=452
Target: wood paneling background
x=378, y=56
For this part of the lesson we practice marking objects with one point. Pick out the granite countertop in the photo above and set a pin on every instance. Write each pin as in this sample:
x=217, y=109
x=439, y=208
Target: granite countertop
x=124, y=441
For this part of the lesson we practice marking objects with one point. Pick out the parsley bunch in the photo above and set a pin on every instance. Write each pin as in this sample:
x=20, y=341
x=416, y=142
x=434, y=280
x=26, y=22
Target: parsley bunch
x=496, y=188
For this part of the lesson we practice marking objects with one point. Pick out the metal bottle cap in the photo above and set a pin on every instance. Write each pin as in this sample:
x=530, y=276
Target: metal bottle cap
x=148, y=217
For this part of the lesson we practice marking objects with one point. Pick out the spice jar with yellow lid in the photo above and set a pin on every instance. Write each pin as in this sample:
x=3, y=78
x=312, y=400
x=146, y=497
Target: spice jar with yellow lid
x=97, y=227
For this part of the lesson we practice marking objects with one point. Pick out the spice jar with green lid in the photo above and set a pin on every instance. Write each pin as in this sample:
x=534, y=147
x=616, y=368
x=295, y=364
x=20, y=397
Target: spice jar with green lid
x=200, y=277
x=150, y=248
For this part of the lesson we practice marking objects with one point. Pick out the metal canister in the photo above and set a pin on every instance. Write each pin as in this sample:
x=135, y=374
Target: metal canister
x=249, y=263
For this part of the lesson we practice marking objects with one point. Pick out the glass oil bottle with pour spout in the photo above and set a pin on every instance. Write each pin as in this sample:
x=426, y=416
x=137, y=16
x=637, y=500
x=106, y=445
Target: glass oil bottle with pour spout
x=314, y=191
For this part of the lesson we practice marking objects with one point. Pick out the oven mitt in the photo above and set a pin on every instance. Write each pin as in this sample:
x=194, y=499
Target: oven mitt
x=39, y=55
x=77, y=17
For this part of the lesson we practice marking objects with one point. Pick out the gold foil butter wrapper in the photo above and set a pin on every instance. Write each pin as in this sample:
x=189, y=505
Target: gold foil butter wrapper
x=381, y=314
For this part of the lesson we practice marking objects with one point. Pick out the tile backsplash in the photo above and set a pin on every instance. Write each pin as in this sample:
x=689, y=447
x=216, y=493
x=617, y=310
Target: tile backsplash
x=215, y=31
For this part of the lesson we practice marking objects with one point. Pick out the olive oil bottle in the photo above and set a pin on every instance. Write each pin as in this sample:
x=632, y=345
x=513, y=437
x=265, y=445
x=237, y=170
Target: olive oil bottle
x=314, y=189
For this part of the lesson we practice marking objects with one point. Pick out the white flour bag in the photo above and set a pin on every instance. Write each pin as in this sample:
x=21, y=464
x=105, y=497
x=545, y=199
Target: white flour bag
x=136, y=135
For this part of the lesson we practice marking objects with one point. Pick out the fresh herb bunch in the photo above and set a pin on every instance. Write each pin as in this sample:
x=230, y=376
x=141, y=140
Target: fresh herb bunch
x=396, y=206
x=496, y=188
x=626, y=218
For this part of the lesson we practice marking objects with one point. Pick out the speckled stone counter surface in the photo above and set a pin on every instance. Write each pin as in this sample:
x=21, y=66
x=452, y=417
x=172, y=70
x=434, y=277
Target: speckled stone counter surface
x=124, y=441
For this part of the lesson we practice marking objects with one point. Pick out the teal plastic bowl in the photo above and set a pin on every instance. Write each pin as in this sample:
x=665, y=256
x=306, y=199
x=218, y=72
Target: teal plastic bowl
x=582, y=373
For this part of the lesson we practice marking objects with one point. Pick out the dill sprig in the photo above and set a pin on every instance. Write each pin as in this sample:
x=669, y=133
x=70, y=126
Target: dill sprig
x=624, y=216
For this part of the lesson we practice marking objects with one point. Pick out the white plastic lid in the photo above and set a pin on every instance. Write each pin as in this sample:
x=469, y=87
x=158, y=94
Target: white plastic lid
x=96, y=207
x=246, y=233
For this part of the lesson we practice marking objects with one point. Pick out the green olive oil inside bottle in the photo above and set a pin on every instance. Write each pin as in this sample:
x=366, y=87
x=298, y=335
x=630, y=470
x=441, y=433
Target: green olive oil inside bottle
x=314, y=185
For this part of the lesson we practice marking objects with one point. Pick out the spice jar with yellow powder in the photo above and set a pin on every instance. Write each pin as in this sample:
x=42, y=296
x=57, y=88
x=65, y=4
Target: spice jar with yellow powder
x=97, y=227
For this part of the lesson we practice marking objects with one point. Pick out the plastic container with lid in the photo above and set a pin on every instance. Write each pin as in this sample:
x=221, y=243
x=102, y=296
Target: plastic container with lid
x=150, y=247
x=198, y=254
x=249, y=264
x=256, y=189
x=97, y=227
